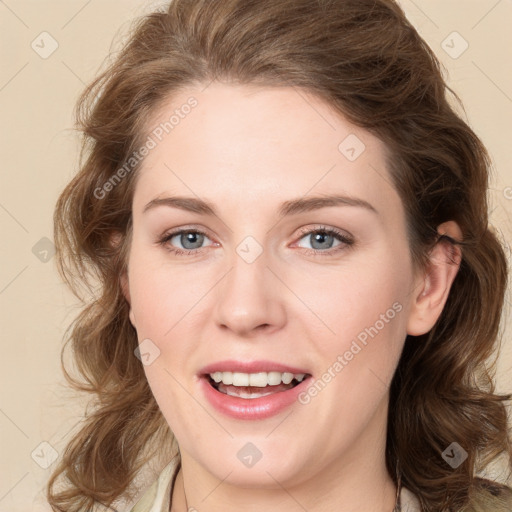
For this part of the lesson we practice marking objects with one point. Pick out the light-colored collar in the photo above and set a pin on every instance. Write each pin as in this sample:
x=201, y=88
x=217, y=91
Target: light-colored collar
x=158, y=497
x=409, y=501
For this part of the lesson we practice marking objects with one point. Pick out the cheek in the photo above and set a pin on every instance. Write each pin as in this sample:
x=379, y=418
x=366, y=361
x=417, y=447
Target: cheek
x=362, y=299
x=165, y=301
x=161, y=294
x=373, y=328
x=366, y=313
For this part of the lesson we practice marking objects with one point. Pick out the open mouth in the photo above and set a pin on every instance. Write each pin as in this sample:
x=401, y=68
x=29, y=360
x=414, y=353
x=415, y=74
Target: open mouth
x=251, y=386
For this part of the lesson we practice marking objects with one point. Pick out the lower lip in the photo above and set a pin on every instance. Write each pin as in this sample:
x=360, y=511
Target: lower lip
x=252, y=408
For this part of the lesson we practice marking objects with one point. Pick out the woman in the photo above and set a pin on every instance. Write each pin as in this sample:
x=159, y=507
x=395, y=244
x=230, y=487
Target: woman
x=297, y=288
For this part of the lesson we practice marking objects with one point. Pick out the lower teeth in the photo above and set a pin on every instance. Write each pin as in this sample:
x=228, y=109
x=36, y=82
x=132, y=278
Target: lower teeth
x=243, y=393
x=248, y=395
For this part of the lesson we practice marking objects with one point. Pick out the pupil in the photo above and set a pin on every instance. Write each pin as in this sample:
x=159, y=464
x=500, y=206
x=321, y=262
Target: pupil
x=189, y=238
x=322, y=237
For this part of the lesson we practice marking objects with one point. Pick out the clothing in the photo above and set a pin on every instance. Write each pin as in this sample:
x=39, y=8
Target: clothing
x=158, y=497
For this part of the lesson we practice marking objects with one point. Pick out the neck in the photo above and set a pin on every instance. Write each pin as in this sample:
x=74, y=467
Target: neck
x=358, y=481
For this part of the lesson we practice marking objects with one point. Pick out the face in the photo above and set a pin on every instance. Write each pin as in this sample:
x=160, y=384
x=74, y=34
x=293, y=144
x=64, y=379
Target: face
x=266, y=280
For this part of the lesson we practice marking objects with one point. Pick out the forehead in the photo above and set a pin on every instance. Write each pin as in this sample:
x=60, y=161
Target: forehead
x=259, y=144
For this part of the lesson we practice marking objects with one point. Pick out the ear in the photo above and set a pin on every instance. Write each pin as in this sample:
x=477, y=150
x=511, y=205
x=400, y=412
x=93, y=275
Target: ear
x=433, y=287
x=115, y=240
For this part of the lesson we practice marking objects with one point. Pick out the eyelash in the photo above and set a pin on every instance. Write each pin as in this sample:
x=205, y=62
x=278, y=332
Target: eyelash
x=346, y=241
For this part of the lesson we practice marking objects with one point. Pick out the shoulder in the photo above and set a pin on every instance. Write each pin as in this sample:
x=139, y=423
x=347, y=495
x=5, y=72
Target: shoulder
x=157, y=497
x=490, y=496
x=493, y=496
x=494, y=488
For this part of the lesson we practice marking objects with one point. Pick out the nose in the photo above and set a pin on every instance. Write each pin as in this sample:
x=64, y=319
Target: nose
x=250, y=298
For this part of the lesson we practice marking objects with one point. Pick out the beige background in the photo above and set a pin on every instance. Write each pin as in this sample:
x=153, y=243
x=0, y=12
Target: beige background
x=39, y=155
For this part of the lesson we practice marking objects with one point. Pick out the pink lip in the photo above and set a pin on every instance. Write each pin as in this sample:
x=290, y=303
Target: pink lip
x=249, y=367
x=255, y=408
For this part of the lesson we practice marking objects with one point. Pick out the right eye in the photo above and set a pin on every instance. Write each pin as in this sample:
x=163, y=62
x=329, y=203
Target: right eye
x=190, y=240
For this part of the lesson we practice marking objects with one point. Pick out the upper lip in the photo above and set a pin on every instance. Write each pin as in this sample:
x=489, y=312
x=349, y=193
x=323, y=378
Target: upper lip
x=249, y=367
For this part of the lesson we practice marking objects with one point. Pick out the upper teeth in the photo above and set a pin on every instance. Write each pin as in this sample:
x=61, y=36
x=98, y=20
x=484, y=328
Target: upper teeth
x=260, y=379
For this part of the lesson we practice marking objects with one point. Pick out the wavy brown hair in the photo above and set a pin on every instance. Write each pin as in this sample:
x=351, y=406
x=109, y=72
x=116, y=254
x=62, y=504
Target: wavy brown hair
x=363, y=58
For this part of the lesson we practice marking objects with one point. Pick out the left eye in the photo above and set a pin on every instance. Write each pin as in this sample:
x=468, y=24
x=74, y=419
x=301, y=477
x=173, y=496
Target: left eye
x=320, y=240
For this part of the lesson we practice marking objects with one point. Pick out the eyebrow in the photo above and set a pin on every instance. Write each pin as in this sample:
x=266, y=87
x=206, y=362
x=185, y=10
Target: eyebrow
x=292, y=207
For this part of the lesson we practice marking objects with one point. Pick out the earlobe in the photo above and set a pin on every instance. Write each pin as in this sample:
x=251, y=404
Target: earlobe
x=434, y=286
x=126, y=292
x=125, y=287
x=116, y=239
x=132, y=318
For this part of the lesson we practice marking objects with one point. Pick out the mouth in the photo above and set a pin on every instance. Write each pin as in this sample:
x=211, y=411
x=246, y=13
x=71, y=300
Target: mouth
x=251, y=386
x=252, y=390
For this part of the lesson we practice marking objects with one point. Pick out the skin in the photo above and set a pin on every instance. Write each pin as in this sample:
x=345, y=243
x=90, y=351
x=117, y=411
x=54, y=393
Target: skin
x=246, y=150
